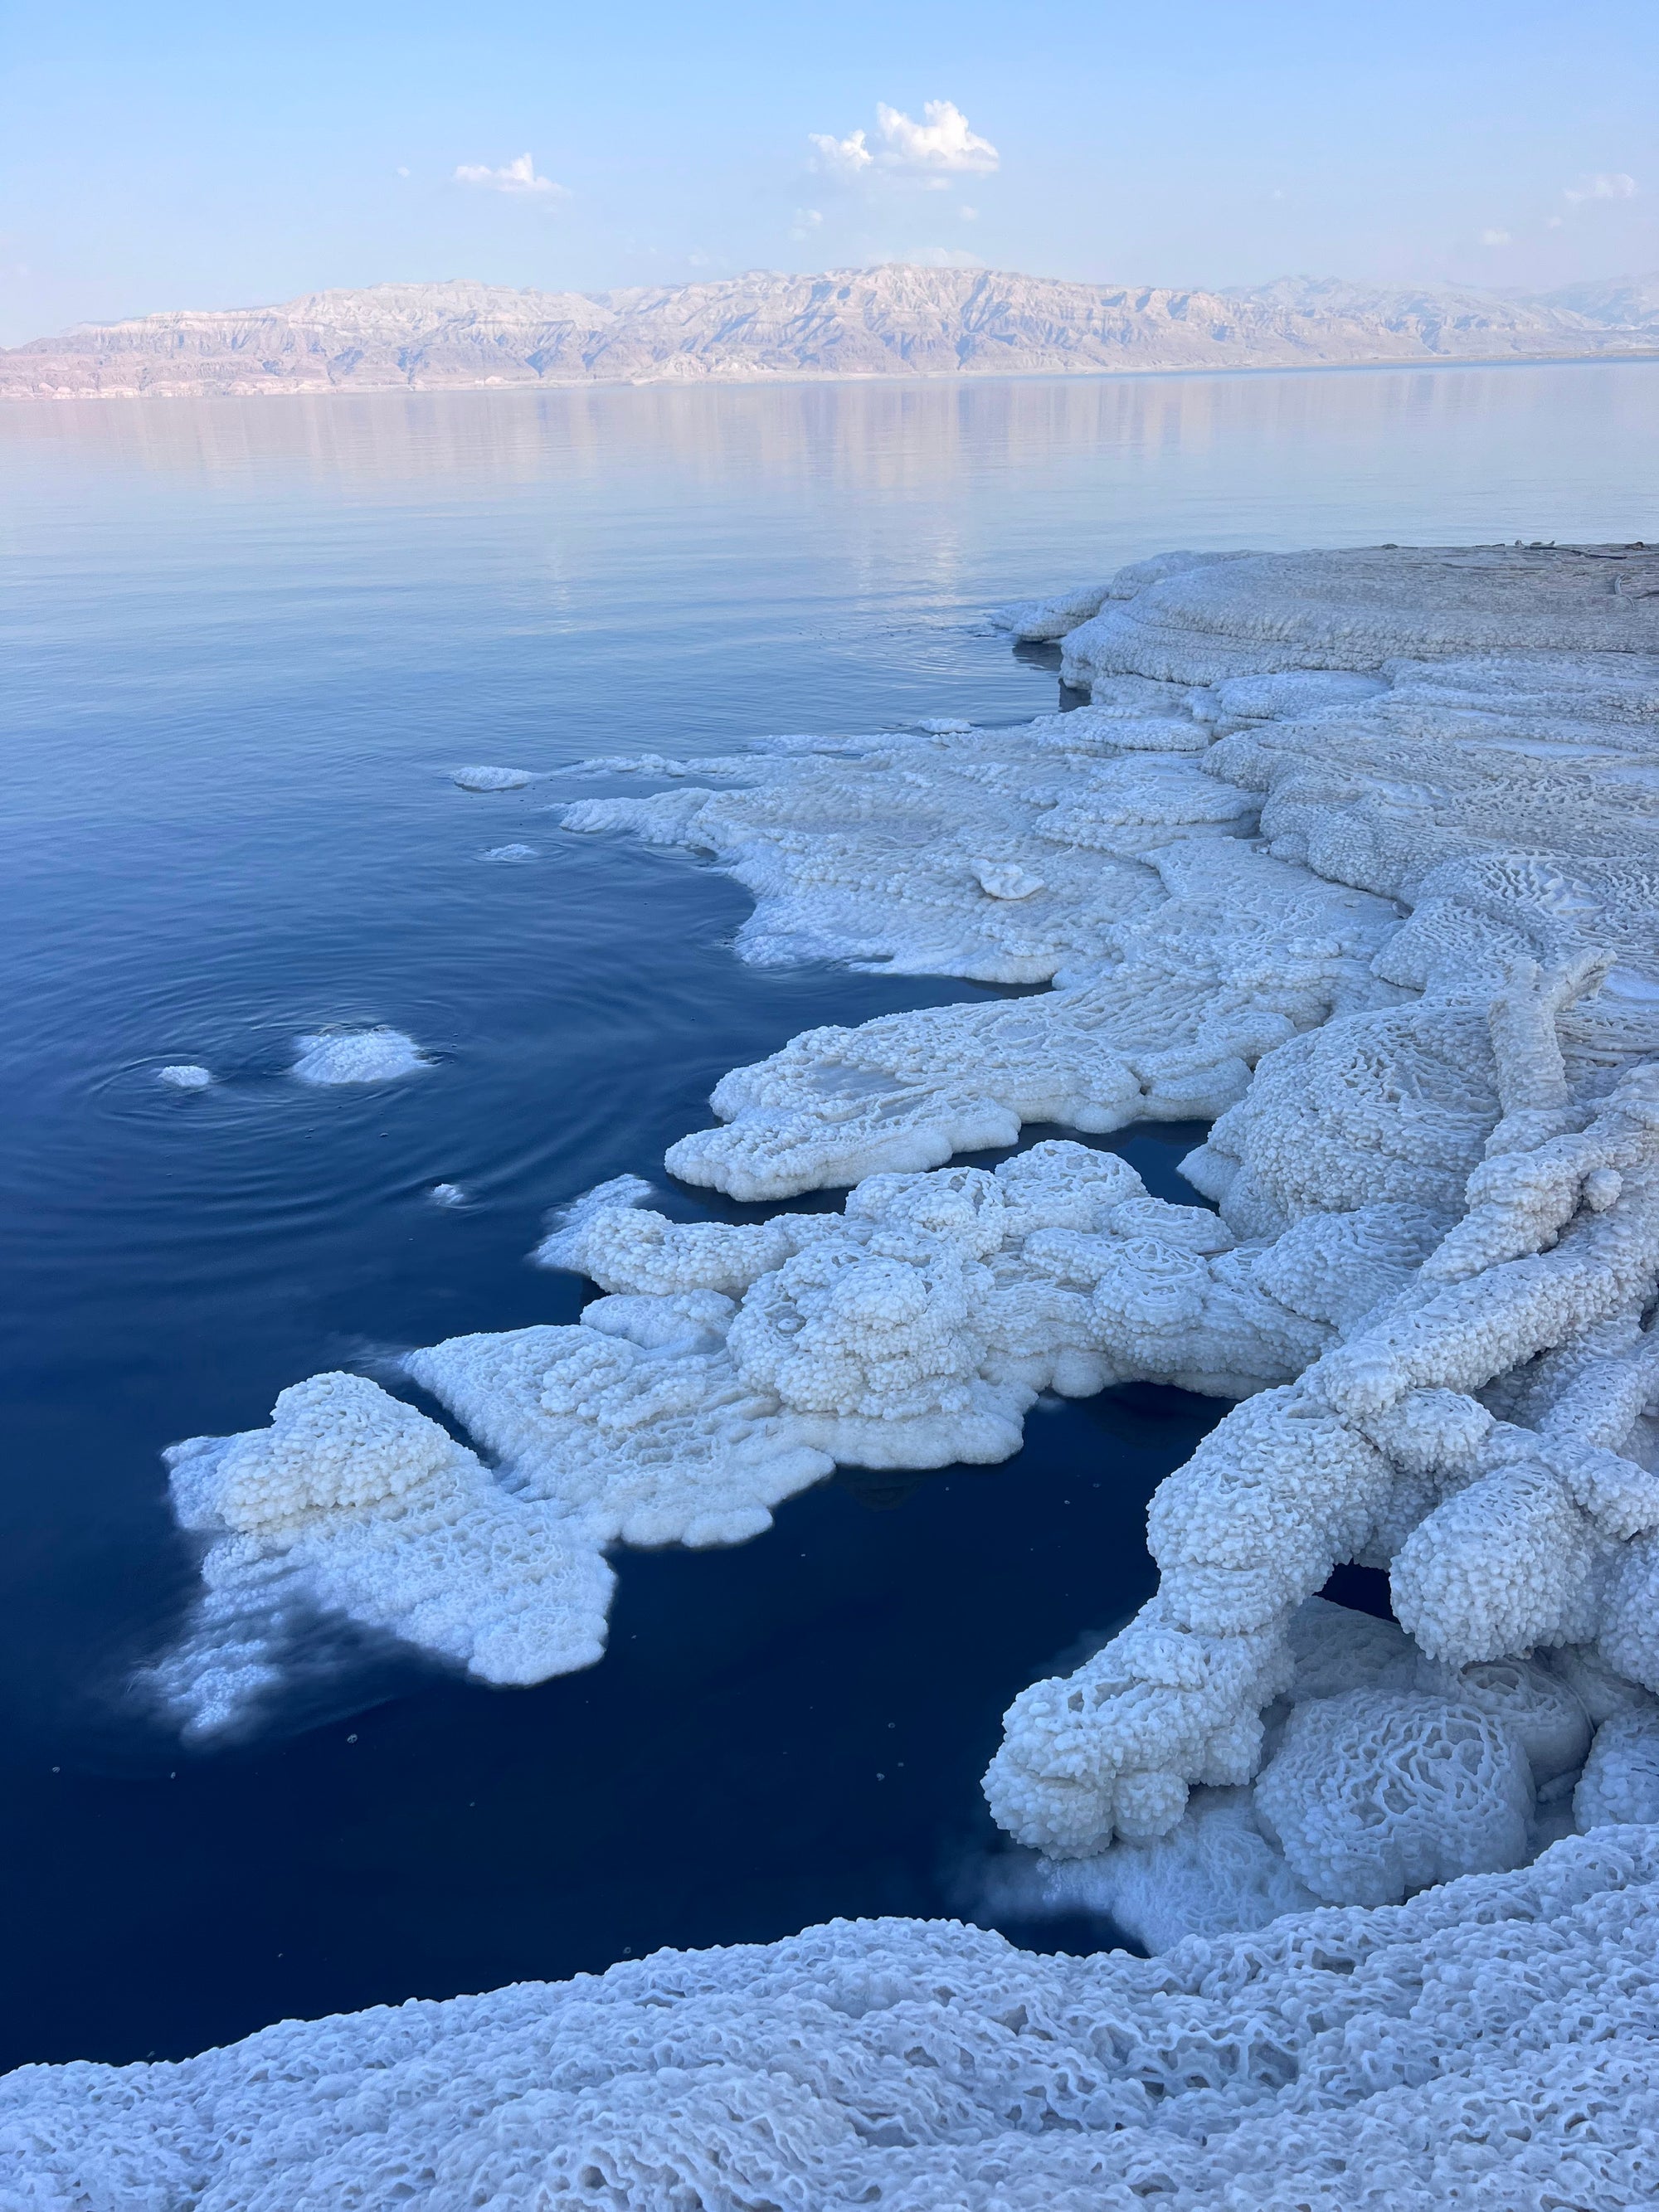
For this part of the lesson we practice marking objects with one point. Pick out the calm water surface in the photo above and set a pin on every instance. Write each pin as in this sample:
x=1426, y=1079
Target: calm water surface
x=246, y=642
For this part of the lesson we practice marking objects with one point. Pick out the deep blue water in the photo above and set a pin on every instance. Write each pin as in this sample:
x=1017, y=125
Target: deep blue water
x=246, y=642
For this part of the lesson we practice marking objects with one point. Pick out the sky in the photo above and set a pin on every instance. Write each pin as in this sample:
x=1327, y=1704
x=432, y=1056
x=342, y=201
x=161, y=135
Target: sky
x=179, y=155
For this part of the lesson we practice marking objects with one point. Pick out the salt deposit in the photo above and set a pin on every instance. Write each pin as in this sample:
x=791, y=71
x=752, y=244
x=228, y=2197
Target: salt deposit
x=186, y=1076
x=1489, y=2044
x=511, y=852
x=378, y=1055
x=1353, y=856
x=447, y=1194
x=491, y=779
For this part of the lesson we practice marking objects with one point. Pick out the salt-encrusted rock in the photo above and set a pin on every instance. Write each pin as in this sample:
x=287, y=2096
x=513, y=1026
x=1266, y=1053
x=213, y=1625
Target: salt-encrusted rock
x=184, y=1075
x=482, y=778
x=1488, y=2043
x=378, y=1055
x=1541, y=1708
x=1374, y=1795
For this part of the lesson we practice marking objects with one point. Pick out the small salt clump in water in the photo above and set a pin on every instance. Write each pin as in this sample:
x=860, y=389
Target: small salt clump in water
x=945, y=725
x=358, y=1056
x=447, y=1194
x=491, y=779
x=186, y=1076
x=511, y=852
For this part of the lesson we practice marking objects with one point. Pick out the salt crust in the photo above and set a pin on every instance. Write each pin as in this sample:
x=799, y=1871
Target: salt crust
x=1352, y=853
x=378, y=1055
x=184, y=1076
x=1490, y=2045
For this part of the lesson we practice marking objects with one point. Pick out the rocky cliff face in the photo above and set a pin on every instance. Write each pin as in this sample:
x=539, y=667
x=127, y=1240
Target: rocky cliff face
x=890, y=321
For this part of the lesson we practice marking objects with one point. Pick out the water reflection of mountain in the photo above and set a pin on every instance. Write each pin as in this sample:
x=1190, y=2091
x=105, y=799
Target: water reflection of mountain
x=870, y=437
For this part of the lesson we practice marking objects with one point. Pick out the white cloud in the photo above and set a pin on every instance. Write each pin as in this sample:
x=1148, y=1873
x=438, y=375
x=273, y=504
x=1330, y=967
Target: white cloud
x=840, y=157
x=1553, y=222
x=402, y=172
x=943, y=142
x=807, y=220
x=1494, y=237
x=928, y=153
x=968, y=214
x=1610, y=185
x=518, y=176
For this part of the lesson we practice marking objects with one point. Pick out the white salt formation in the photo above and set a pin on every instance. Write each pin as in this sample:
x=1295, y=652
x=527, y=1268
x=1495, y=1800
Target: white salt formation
x=511, y=852
x=184, y=1076
x=378, y=1055
x=1489, y=2044
x=356, y=1503
x=491, y=779
x=1352, y=855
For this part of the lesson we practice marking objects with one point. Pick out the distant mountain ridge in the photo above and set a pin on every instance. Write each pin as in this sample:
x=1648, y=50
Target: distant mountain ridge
x=894, y=320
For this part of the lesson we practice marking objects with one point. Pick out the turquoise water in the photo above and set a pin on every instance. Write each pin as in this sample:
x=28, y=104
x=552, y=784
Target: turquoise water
x=246, y=642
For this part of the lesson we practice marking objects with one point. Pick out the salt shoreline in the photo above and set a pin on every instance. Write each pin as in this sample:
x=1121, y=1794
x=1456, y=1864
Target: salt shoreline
x=1396, y=937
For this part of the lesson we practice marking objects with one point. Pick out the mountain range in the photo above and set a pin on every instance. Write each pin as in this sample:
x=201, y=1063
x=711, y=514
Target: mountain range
x=894, y=320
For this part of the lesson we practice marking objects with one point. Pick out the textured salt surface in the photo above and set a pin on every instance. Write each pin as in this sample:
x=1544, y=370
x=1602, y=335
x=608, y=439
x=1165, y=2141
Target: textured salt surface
x=184, y=1076
x=1489, y=2044
x=378, y=1055
x=1354, y=854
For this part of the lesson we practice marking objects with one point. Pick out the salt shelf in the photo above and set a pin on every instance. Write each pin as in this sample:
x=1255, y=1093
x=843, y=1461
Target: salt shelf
x=1353, y=855
x=1491, y=2044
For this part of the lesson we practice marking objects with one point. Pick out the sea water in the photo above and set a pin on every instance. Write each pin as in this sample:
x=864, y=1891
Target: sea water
x=249, y=643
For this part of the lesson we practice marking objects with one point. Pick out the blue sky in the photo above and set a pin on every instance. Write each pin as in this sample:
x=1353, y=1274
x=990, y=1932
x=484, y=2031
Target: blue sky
x=180, y=155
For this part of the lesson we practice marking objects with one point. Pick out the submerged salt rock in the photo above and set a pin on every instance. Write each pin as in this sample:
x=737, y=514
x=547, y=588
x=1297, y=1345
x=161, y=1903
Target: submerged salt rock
x=1214, y=1873
x=1621, y=1780
x=511, y=852
x=491, y=779
x=378, y=1055
x=1374, y=1795
x=446, y=1194
x=184, y=1076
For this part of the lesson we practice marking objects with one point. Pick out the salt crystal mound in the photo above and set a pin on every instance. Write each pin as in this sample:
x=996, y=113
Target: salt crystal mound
x=354, y=1503
x=378, y=1055
x=491, y=779
x=184, y=1076
x=1382, y=1771
x=1489, y=2044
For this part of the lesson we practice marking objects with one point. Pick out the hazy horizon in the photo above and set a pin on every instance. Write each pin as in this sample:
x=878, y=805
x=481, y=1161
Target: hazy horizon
x=196, y=161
